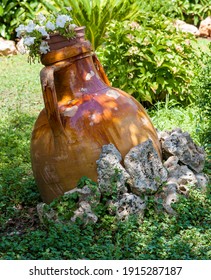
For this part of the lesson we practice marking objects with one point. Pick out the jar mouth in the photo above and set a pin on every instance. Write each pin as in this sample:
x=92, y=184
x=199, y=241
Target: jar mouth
x=77, y=29
x=80, y=31
x=58, y=41
x=80, y=28
x=71, y=48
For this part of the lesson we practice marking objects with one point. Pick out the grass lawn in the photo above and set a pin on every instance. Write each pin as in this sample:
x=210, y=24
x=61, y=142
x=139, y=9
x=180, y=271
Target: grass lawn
x=186, y=236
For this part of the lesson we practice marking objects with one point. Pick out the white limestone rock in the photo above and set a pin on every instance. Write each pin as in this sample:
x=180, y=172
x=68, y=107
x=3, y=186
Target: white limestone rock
x=180, y=144
x=110, y=170
x=145, y=168
x=85, y=213
x=167, y=196
x=128, y=204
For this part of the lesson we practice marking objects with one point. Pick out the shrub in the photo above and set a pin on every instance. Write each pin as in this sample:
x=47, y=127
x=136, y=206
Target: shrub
x=150, y=59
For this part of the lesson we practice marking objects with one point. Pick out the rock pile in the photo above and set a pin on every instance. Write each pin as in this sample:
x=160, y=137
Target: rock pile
x=127, y=184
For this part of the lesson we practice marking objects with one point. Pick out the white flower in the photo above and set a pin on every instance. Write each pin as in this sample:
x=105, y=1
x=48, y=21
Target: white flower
x=30, y=27
x=73, y=26
x=134, y=25
x=49, y=25
x=44, y=47
x=28, y=41
x=133, y=50
x=42, y=30
x=41, y=18
x=61, y=20
x=20, y=30
x=69, y=8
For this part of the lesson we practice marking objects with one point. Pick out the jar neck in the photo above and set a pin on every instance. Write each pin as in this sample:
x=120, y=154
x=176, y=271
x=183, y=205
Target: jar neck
x=84, y=77
x=78, y=79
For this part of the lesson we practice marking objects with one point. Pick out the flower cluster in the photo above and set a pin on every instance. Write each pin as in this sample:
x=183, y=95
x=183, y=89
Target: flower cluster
x=36, y=33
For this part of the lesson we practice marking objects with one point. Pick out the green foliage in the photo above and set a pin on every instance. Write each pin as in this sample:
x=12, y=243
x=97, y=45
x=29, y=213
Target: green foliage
x=13, y=13
x=194, y=210
x=150, y=59
x=96, y=15
x=61, y=209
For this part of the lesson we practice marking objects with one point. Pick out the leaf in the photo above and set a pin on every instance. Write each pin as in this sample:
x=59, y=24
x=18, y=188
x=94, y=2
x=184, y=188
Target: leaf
x=9, y=7
x=3, y=30
x=1, y=11
x=27, y=6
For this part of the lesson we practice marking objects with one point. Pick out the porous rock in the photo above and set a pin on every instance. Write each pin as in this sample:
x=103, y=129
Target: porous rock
x=145, y=168
x=90, y=194
x=128, y=204
x=180, y=144
x=109, y=168
x=205, y=27
x=88, y=199
x=202, y=180
x=186, y=27
x=46, y=215
x=7, y=47
x=85, y=213
x=180, y=175
x=166, y=196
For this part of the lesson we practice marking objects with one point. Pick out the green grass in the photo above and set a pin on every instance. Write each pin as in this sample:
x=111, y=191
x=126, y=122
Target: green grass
x=186, y=236
x=166, y=116
x=20, y=86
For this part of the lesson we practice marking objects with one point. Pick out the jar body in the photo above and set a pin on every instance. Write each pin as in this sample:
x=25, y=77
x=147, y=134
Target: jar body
x=91, y=114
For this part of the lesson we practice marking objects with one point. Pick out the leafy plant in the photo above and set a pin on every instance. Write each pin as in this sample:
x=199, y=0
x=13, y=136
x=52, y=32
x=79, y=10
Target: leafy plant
x=96, y=15
x=150, y=59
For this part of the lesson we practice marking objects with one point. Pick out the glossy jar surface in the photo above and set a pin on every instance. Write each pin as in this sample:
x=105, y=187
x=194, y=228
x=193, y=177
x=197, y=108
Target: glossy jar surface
x=82, y=113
